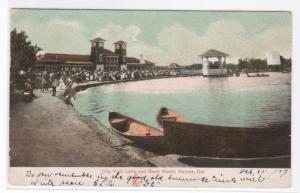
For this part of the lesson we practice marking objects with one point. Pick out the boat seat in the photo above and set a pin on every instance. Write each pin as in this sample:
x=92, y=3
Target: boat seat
x=170, y=118
x=118, y=120
x=120, y=124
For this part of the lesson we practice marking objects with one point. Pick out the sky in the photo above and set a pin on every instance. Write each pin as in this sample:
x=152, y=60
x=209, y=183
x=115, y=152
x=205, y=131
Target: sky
x=161, y=36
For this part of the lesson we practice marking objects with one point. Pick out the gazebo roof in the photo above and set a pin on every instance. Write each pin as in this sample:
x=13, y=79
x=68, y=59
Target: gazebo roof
x=213, y=53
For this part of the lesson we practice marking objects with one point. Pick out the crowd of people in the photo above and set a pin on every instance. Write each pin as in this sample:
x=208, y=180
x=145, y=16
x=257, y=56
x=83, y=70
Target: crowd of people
x=44, y=80
x=97, y=75
x=51, y=81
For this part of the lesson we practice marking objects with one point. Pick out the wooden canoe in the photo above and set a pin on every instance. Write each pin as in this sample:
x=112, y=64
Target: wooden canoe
x=136, y=131
x=166, y=114
x=217, y=141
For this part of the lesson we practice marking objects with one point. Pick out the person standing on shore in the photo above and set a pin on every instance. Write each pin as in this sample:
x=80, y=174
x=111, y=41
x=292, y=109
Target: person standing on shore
x=47, y=80
x=54, y=85
x=43, y=84
x=61, y=84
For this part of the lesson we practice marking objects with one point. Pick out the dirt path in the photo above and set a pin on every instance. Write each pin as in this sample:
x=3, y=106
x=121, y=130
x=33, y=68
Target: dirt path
x=49, y=133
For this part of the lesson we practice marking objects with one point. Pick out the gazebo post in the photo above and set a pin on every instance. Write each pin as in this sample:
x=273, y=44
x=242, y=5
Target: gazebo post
x=220, y=61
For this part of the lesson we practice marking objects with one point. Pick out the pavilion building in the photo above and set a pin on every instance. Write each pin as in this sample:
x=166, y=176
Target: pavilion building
x=99, y=59
x=214, y=63
x=139, y=64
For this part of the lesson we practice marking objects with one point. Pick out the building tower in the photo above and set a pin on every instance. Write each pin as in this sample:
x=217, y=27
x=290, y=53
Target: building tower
x=120, y=51
x=97, y=52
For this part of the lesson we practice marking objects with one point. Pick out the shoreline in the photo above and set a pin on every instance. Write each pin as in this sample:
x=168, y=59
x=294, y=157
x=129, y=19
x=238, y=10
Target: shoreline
x=47, y=129
x=82, y=86
x=49, y=133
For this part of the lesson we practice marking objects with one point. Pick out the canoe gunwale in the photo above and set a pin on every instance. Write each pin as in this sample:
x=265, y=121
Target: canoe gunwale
x=132, y=120
x=160, y=119
x=151, y=142
x=271, y=131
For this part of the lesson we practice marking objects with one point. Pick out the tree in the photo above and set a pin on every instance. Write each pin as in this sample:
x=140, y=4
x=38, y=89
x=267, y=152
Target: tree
x=252, y=64
x=285, y=63
x=242, y=64
x=22, y=54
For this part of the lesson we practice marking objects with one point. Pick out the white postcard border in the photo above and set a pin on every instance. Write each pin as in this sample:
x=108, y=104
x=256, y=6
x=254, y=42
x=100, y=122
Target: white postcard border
x=254, y=5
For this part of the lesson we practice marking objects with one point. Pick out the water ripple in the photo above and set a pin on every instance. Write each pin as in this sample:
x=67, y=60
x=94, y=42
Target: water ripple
x=234, y=101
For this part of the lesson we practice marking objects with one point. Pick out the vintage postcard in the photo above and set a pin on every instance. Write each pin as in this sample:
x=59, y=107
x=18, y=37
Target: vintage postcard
x=136, y=98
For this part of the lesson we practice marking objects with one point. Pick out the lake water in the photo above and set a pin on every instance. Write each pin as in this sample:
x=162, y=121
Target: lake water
x=231, y=101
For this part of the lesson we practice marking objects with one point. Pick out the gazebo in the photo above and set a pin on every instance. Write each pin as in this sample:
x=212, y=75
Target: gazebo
x=214, y=63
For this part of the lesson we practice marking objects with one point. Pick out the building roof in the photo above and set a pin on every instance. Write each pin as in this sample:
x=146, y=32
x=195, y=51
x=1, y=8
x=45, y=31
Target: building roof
x=173, y=65
x=76, y=62
x=69, y=58
x=132, y=60
x=120, y=42
x=81, y=59
x=98, y=39
x=149, y=62
x=213, y=53
x=109, y=53
x=56, y=57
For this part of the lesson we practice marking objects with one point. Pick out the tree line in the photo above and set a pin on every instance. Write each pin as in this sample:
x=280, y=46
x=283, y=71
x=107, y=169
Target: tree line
x=22, y=55
x=257, y=64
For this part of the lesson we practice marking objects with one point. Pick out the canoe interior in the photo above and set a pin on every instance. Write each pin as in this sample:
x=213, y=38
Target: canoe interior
x=217, y=141
x=131, y=127
x=166, y=114
x=139, y=133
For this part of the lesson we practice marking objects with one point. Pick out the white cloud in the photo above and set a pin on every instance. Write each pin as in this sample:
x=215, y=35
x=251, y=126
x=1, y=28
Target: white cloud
x=57, y=35
x=226, y=36
x=112, y=33
x=179, y=44
x=182, y=45
x=65, y=24
x=275, y=39
x=176, y=43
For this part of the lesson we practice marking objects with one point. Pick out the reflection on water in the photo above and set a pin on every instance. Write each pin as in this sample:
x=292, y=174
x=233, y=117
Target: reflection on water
x=232, y=101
